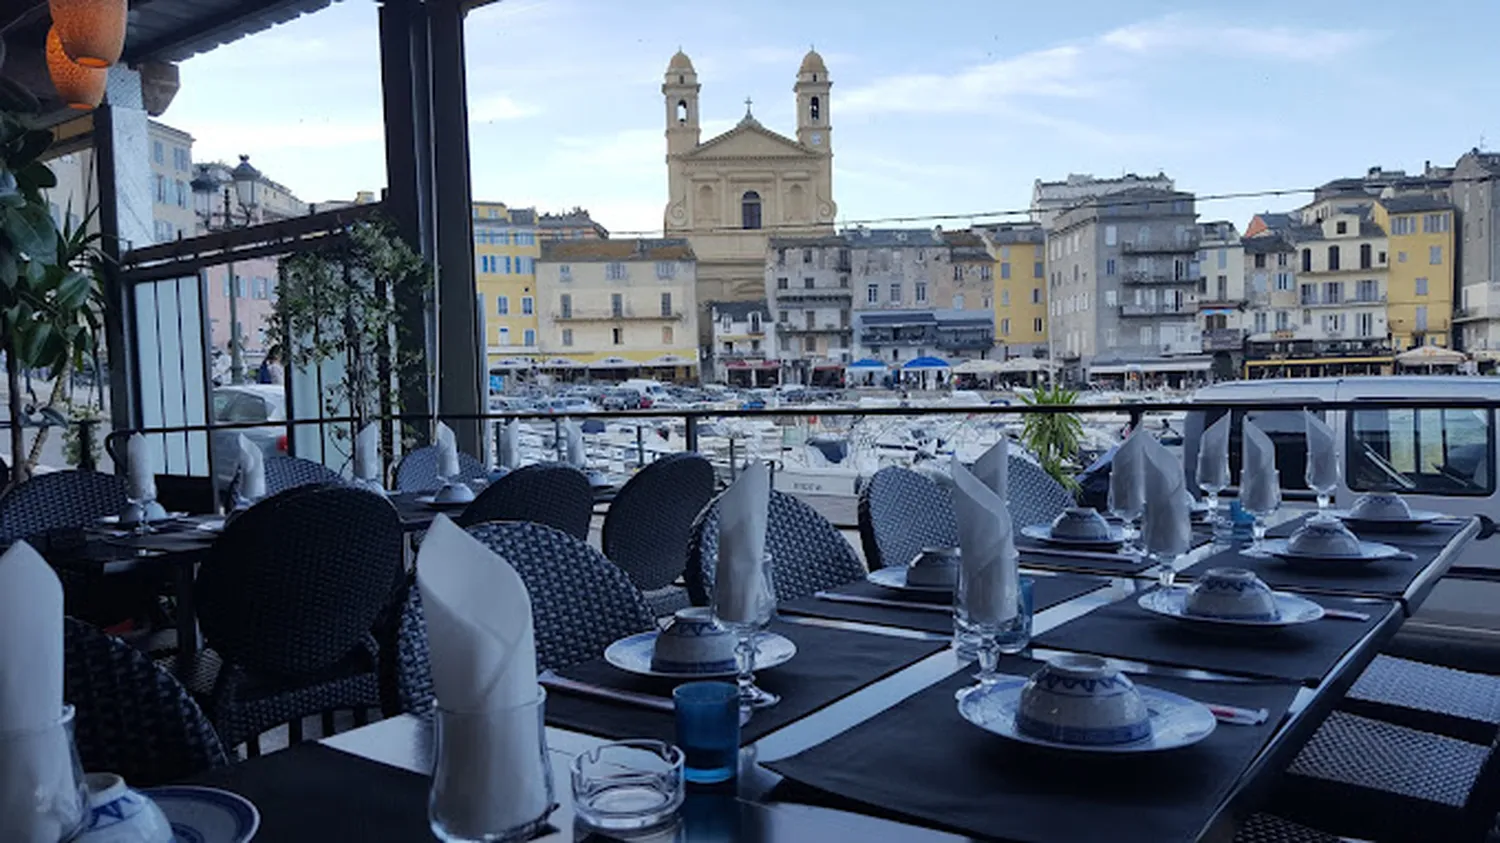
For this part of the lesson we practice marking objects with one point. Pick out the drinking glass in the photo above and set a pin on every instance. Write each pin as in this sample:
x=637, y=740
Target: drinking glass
x=746, y=630
x=628, y=786
x=1213, y=478
x=491, y=774
x=1127, y=506
x=1324, y=485
x=44, y=797
x=992, y=639
x=708, y=729
x=1258, y=531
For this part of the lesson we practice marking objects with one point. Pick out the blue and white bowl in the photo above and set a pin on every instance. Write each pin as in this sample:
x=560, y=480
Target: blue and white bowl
x=1081, y=524
x=1231, y=594
x=118, y=814
x=693, y=641
x=1082, y=700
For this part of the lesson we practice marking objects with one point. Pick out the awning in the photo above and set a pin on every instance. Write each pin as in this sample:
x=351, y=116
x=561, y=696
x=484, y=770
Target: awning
x=1486, y=355
x=614, y=363
x=826, y=366
x=670, y=360
x=1026, y=364
x=1154, y=366
x=979, y=367
x=1320, y=361
x=924, y=364
x=867, y=363
x=561, y=363
x=1431, y=355
x=752, y=364
x=511, y=363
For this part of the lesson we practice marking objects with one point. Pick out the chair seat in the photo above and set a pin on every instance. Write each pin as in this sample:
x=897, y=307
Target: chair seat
x=1269, y=828
x=1456, y=703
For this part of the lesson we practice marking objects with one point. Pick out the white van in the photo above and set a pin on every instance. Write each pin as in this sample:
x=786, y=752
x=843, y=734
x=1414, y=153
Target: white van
x=1438, y=459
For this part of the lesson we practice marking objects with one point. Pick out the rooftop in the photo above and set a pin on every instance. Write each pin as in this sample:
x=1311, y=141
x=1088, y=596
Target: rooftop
x=635, y=249
x=876, y=238
x=739, y=311
x=1414, y=203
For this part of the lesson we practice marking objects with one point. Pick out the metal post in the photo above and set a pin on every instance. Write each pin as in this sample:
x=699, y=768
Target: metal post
x=690, y=432
x=86, y=444
x=640, y=448
x=557, y=442
x=236, y=359
x=734, y=463
x=119, y=312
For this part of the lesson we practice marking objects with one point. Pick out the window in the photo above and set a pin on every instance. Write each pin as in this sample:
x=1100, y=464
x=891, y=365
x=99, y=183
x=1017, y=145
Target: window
x=666, y=269
x=489, y=263
x=1004, y=327
x=1111, y=298
x=1260, y=322
x=807, y=256
x=1260, y=261
x=181, y=159
x=843, y=282
x=1403, y=225
x=617, y=335
x=782, y=317
x=1111, y=235
x=1036, y=324
x=1421, y=318
x=958, y=302
x=1333, y=258
x=750, y=210
x=1036, y=270
x=158, y=152
x=896, y=292
x=1005, y=270
x=528, y=337
x=1283, y=281
x=1434, y=452
x=1400, y=257
x=565, y=305
x=1283, y=320
x=958, y=272
x=1036, y=295
x=755, y=323
x=1435, y=224
x=989, y=302
x=1435, y=255
x=1364, y=256
x=614, y=271
x=783, y=283
x=1075, y=272
x=161, y=189
x=1333, y=292
x=810, y=344
x=1005, y=253
x=1307, y=260
x=1421, y=285
x=987, y=272
x=502, y=305
x=567, y=336
x=616, y=306
x=528, y=306
x=565, y=271
x=754, y=344
x=182, y=193
x=1109, y=266
x=1366, y=289
x=1309, y=294
x=872, y=294
x=1381, y=259
x=919, y=289
x=808, y=284
x=504, y=334
x=1341, y=227
x=814, y=109
x=666, y=335
x=1005, y=298
x=726, y=323
x=666, y=304
x=1146, y=335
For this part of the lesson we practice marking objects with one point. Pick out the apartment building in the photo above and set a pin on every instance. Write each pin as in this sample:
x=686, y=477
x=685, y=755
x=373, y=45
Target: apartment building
x=810, y=295
x=1051, y=198
x=172, y=206
x=1221, y=294
x=1270, y=271
x=1019, y=295
x=744, y=337
x=1420, y=276
x=618, y=309
x=506, y=250
x=1477, y=203
x=921, y=293
x=570, y=225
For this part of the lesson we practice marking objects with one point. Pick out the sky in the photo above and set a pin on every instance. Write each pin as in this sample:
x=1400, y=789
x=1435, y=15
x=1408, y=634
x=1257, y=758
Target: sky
x=947, y=110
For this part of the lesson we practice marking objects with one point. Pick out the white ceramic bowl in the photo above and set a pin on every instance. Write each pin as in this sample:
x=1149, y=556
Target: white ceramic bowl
x=454, y=493
x=694, y=642
x=934, y=567
x=1232, y=593
x=1082, y=700
x=1323, y=536
x=118, y=814
x=1380, y=506
x=1082, y=524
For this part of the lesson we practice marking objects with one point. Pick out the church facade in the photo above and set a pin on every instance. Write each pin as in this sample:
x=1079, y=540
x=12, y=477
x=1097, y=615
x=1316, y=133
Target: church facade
x=730, y=194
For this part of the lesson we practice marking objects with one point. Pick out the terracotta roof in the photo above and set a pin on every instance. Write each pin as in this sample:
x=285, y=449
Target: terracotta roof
x=579, y=251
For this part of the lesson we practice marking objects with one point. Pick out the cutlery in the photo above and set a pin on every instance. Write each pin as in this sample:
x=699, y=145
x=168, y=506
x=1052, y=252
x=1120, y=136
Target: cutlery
x=1077, y=554
x=860, y=600
x=1237, y=716
x=1344, y=615
x=551, y=680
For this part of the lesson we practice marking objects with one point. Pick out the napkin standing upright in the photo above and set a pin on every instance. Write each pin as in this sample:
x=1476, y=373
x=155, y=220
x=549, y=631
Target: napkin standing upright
x=993, y=469
x=573, y=436
x=40, y=796
x=140, y=474
x=1166, y=529
x=990, y=564
x=447, y=452
x=491, y=770
x=743, y=512
x=1260, y=485
x=252, y=468
x=367, y=455
x=1322, y=457
x=1213, y=455
x=1127, y=474
x=510, y=445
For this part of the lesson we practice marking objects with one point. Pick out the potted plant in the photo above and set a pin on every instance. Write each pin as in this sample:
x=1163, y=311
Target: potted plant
x=1054, y=437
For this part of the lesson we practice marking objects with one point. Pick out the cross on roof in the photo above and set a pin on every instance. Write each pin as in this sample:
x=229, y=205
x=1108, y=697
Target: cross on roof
x=747, y=106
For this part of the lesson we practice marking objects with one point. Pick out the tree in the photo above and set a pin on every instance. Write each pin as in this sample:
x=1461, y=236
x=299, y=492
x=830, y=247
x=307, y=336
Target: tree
x=1055, y=437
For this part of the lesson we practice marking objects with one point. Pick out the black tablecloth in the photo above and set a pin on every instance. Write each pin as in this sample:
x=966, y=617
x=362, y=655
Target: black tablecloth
x=830, y=664
x=311, y=793
x=1048, y=591
x=1048, y=557
x=1304, y=654
x=922, y=762
x=415, y=515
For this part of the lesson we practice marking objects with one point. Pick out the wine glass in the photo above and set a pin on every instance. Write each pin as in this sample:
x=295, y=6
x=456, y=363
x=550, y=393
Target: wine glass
x=1213, y=478
x=992, y=638
x=1128, y=505
x=746, y=629
x=1323, y=478
x=1262, y=510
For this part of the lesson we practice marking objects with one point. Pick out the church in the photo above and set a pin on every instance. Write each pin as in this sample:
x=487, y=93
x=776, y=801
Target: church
x=729, y=194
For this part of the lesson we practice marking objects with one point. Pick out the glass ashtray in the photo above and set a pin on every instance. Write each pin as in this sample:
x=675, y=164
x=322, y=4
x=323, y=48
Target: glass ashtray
x=629, y=786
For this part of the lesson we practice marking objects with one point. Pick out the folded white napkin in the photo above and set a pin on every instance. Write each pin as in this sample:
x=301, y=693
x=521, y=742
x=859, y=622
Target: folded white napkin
x=573, y=437
x=483, y=655
x=1322, y=454
x=987, y=550
x=1166, y=528
x=1213, y=454
x=1260, y=485
x=252, y=470
x=367, y=453
x=993, y=468
x=1127, y=473
x=140, y=473
x=743, y=511
x=447, y=452
x=510, y=444
x=39, y=799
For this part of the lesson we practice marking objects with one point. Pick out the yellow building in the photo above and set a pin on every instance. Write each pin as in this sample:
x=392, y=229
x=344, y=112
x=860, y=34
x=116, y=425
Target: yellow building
x=1419, y=306
x=1020, y=288
x=506, y=249
x=617, y=309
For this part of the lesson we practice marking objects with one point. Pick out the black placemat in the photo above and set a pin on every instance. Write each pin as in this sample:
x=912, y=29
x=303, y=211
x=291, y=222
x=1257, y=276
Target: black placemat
x=830, y=664
x=415, y=515
x=1047, y=591
x=1303, y=654
x=1050, y=557
x=920, y=761
x=1386, y=578
x=311, y=793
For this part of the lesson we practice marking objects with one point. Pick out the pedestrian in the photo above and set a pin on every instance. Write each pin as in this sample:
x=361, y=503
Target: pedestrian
x=271, y=369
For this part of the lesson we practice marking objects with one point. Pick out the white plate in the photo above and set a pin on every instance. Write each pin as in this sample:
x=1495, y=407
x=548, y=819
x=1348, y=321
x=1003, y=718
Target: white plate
x=894, y=577
x=206, y=814
x=1294, y=611
x=170, y=516
x=214, y=526
x=1176, y=721
x=633, y=655
x=1043, y=532
x=432, y=501
x=1419, y=518
x=1368, y=552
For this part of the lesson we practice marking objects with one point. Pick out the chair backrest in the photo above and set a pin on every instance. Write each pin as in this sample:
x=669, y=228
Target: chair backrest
x=546, y=493
x=59, y=499
x=417, y=471
x=284, y=473
x=808, y=554
x=1035, y=497
x=646, y=531
x=296, y=582
x=580, y=601
x=901, y=512
x=131, y=717
x=405, y=663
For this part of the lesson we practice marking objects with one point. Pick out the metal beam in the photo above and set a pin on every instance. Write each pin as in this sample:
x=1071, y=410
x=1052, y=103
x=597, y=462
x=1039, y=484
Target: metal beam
x=119, y=321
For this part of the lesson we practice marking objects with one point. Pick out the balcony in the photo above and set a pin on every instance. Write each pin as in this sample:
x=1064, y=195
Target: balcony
x=1139, y=277
x=825, y=328
x=1214, y=302
x=1223, y=339
x=580, y=314
x=1131, y=247
x=1474, y=313
x=965, y=343
x=1355, y=302
x=1156, y=310
x=816, y=293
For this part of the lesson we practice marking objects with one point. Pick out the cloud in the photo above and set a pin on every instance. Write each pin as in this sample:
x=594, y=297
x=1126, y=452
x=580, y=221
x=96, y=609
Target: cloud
x=1054, y=72
x=224, y=139
x=499, y=107
x=1272, y=42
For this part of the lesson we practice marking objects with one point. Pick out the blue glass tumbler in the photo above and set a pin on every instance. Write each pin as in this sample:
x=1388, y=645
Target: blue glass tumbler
x=708, y=730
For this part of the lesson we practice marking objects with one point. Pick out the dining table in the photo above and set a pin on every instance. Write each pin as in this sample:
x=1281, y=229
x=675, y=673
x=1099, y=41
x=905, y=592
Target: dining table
x=878, y=752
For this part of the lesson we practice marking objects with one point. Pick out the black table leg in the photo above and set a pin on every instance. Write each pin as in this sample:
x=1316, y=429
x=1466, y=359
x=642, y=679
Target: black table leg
x=187, y=611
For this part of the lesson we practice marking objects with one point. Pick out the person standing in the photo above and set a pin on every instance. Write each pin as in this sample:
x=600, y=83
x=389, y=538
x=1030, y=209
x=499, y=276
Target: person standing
x=271, y=369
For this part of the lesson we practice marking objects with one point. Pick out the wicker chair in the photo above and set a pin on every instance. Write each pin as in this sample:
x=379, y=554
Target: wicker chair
x=405, y=669
x=288, y=596
x=417, y=471
x=59, y=499
x=1456, y=703
x=649, y=523
x=901, y=512
x=1269, y=828
x=1372, y=779
x=580, y=601
x=546, y=493
x=1035, y=497
x=131, y=717
x=807, y=552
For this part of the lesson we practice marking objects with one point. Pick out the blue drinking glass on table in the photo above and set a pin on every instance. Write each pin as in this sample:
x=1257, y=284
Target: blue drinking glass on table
x=708, y=730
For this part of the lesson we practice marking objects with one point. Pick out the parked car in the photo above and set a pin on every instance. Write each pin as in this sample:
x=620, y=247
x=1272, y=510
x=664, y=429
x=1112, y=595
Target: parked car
x=250, y=403
x=568, y=405
x=621, y=399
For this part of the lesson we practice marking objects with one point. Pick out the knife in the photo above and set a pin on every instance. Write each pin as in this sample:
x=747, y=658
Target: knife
x=1077, y=554
x=551, y=680
x=860, y=600
x=1237, y=716
x=1344, y=615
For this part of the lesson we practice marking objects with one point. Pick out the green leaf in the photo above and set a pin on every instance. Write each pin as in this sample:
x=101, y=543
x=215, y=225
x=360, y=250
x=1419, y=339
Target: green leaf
x=30, y=228
x=37, y=176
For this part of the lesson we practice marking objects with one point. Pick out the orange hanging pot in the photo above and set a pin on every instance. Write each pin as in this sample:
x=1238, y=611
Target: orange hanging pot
x=92, y=31
x=80, y=87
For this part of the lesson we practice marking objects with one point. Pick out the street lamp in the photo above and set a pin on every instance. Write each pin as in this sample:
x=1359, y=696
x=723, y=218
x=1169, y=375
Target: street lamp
x=245, y=181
